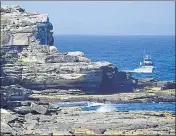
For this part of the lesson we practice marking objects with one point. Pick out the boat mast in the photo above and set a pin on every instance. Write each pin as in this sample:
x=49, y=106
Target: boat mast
x=144, y=53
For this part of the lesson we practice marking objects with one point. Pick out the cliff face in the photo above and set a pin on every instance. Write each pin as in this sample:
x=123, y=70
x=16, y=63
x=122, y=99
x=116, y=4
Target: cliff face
x=18, y=27
x=30, y=58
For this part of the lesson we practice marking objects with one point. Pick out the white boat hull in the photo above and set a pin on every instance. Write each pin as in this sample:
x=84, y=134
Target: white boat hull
x=144, y=69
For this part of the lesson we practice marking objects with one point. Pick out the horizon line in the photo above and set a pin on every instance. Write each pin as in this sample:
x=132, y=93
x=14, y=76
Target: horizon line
x=114, y=35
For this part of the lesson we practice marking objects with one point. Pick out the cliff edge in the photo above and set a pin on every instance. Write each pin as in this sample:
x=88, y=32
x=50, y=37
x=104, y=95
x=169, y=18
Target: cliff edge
x=30, y=59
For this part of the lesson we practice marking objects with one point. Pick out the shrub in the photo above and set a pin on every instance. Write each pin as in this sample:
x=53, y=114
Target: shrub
x=20, y=61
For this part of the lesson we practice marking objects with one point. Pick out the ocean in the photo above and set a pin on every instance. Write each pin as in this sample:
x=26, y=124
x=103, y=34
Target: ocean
x=104, y=107
x=125, y=52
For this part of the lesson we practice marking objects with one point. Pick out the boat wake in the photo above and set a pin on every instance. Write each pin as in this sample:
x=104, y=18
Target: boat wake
x=139, y=70
x=146, y=66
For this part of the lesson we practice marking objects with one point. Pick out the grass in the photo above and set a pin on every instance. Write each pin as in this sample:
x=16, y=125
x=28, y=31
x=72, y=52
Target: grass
x=20, y=61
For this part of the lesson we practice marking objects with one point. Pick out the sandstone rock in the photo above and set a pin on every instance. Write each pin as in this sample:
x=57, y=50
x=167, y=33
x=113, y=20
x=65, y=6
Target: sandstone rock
x=68, y=110
x=11, y=8
x=83, y=59
x=22, y=24
x=39, y=108
x=61, y=59
x=29, y=117
x=84, y=131
x=23, y=109
x=99, y=131
x=63, y=133
x=30, y=125
x=53, y=106
x=43, y=67
x=6, y=118
x=6, y=129
x=53, y=49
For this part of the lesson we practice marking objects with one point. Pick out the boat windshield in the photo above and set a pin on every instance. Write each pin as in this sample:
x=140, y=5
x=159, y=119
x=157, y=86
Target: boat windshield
x=147, y=58
x=148, y=64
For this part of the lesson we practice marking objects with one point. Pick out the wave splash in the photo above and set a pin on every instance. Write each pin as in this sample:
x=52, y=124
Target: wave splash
x=106, y=108
x=90, y=104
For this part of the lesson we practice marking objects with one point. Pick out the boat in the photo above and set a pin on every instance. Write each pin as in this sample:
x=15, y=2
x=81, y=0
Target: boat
x=147, y=65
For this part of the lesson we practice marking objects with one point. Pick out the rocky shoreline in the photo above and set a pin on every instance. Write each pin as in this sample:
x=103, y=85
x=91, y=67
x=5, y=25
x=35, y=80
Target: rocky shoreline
x=77, y=122
x=35, y=76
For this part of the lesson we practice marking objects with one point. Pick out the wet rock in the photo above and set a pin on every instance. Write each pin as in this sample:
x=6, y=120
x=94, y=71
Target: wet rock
x=53, y=106
x=169, y=85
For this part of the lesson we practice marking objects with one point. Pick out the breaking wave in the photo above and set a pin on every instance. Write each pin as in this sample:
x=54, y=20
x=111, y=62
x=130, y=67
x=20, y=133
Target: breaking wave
x=94, y=104
x=106, y=108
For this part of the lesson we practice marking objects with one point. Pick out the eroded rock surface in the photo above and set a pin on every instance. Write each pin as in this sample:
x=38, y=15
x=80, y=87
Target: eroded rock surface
x=77, y=122
x=31, y=59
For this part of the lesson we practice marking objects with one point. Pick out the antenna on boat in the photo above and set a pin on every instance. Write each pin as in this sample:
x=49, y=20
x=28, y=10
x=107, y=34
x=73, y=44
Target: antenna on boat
x=144, y=52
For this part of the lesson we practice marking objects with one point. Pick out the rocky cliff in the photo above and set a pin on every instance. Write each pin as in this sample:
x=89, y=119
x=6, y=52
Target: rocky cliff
x=29, y=58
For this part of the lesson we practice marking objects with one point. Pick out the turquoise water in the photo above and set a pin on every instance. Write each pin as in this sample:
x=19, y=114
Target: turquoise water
x=125, y=52
x=92, y=106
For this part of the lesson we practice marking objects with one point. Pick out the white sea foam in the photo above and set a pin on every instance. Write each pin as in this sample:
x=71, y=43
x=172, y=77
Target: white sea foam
x=141, y=70
x=106, y=108
x=94, y=104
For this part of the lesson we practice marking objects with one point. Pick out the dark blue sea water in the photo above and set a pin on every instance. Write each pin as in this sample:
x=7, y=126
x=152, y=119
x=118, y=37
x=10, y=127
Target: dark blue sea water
x=134, y=106
x=101, y=107
x=125, y=52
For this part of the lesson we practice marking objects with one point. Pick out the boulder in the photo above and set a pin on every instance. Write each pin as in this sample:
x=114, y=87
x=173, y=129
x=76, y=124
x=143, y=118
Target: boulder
x=53, y=49
x=30, y=125
x=39, y=108
x=6, y=129
x=6, y=118
x=169, y=85
x=23, y=110
x=99, y=131
x=29, y=117
x=83, y=59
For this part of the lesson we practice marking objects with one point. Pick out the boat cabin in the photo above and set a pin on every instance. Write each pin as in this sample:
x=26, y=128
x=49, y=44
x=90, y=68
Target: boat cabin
x=147, y=61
